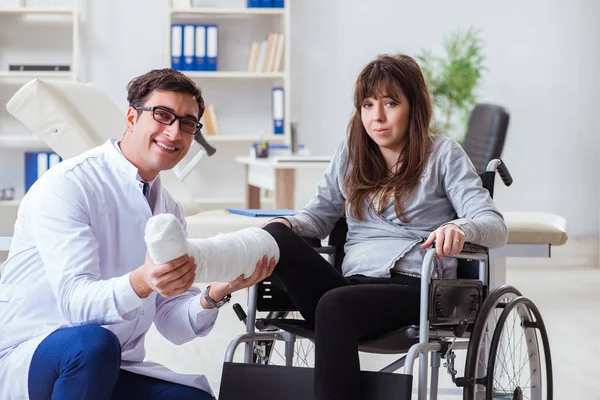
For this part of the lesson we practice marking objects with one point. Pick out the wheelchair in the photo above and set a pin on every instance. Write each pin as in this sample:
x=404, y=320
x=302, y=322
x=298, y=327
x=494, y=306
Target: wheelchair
x=503, y=333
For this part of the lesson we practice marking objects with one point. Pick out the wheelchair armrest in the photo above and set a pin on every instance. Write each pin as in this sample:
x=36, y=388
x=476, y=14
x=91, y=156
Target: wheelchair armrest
x=315, y=243
x=326, y=249
x=468, y=248
x=474, y=248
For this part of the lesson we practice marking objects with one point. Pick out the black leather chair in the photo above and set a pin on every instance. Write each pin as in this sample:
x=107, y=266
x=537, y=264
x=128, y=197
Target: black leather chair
x=486, y=133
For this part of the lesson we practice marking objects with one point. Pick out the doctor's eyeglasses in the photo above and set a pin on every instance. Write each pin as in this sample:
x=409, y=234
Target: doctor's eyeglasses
x=167, y=117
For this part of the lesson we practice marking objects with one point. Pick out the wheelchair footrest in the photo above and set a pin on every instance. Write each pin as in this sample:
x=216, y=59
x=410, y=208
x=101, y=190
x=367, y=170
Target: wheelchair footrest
x=270, y=382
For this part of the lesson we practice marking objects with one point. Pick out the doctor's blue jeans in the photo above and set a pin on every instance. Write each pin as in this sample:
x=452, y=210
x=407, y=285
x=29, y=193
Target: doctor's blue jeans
x=83, y=363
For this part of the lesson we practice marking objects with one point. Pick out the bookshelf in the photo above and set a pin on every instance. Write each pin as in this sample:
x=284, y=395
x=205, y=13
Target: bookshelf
x=235, y=39
x=32, y=36
x=242, y=99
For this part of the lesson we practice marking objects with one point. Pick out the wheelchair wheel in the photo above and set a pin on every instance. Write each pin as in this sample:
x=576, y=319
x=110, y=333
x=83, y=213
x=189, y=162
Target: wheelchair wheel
x=515, y=366
x=481, y=339
x=272, y=352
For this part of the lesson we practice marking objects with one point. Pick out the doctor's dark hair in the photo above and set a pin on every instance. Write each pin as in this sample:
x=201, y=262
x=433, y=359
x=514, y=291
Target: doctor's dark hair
x=367, y=176
x=167, y=80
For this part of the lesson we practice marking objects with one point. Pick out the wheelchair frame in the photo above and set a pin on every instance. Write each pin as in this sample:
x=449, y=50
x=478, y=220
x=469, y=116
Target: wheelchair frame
x=437, y=340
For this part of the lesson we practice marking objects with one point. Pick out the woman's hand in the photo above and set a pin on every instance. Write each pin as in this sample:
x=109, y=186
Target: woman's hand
x=449, y=240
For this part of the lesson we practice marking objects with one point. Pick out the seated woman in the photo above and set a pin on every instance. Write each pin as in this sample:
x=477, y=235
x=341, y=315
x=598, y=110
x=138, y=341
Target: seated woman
x=400, y=189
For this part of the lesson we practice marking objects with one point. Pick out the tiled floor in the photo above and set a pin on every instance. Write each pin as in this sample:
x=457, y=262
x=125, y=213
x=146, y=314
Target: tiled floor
x=568, y=298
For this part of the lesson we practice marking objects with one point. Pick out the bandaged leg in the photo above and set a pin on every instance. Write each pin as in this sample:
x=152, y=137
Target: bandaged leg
x=222, y=258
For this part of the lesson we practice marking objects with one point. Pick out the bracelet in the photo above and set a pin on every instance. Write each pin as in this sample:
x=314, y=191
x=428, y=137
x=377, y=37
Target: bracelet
x=215, y=304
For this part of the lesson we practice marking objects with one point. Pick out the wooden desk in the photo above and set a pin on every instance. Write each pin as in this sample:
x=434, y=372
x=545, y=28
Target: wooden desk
x=277, y=174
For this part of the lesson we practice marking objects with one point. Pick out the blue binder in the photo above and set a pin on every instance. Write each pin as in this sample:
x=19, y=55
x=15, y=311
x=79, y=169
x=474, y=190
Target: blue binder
x=36, y=164
x=200, y=51
x=253, y=3
x=251, y=212
x=277, y=110
x=189, y=48
x=177, y=46
x=212, y=47
x=278, y=3
x=266, y=3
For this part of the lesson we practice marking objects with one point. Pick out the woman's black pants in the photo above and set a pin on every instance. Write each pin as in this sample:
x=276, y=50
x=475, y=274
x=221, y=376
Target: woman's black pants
x=343, y=310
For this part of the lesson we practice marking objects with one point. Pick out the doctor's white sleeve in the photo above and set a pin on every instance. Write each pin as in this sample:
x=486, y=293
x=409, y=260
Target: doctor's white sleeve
x=182, y=318
x=69, y=250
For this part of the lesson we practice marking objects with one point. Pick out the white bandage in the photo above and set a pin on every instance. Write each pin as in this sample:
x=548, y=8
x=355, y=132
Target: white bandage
x=222, y=258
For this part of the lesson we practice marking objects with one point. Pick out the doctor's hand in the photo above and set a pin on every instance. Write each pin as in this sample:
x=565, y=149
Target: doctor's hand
x=170, y=279
x=449, y=240
x=264, y=268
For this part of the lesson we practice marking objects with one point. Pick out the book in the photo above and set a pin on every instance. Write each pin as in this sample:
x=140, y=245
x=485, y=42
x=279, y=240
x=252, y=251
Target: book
x=277, y=110
x=261, y=55
x=212, y=48
x=254, y=50
x=269, y=53
x=200, y=51
x=212, y=124
x=279, y=47
x=207, y=123
x=252, y=212
x=177, y=46
x=189, y=47
x=38, y=67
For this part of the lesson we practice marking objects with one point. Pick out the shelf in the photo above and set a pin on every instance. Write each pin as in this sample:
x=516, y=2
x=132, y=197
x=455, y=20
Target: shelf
x=36, y=74
x=242, y=138
x=234, y=75
x=227, y=11
x=22, y=142
x=36, y=10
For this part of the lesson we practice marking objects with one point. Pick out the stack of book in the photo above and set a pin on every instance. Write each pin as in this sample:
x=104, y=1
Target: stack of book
x=267, y=55
x=194, y=47
x=36, y=164
x=266, y=3
x=210, y=122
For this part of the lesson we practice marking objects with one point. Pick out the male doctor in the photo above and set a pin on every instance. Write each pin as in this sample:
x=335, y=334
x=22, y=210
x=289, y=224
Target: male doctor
x=78, y=292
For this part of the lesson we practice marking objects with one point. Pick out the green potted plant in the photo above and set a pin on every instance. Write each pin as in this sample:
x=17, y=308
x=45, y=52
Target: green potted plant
x=452, y=81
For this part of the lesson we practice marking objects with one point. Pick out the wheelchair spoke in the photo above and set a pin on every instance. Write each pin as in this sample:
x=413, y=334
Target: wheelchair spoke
x=516, y=367
x=303, y=355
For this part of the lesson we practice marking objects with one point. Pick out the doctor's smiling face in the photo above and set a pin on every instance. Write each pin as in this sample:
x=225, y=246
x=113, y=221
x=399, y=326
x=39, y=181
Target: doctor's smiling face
x=161, y=121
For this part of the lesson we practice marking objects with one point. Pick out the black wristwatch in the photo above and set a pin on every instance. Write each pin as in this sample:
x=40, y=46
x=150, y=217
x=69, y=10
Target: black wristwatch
x=216, y=304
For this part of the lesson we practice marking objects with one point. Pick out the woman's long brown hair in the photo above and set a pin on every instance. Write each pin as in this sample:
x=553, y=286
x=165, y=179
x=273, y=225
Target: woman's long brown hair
x=369, y=175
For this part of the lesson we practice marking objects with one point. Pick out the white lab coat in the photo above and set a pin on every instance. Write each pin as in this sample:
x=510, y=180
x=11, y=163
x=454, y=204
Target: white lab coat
x=78, y=235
